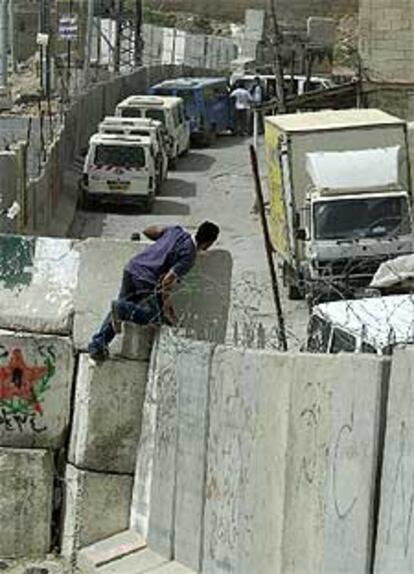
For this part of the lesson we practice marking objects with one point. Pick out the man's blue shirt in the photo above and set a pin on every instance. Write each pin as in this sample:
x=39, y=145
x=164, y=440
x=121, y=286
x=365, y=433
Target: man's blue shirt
x=174, y=251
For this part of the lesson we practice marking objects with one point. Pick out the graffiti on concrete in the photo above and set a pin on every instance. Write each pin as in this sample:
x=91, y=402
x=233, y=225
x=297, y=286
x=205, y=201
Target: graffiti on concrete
x=23, y=387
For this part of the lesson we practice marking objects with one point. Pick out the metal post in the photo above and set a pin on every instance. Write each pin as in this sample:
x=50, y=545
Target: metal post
x=255, y=128
x=3, y=44
x=45, y=28
x=118, y=34
x=280, y=86
x=12, y=35
x=69, y=56
x=138, y=29
x=89, y=36
x=269, y=251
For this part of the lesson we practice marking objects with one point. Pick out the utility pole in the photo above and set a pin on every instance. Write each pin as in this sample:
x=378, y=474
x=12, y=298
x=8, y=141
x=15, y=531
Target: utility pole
x=138, y=30
x=12, y=41
x=89, y=38
x=45, y=28
x=119, y=16
x=4, y=45
x=278, y=67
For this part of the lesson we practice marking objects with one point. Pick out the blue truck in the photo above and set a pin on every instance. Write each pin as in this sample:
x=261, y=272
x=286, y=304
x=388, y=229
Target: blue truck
x=207, y=105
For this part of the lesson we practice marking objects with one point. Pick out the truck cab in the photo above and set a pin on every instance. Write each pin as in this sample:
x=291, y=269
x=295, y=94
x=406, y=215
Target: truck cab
x=354, y=218
x=119, y=169
x=141, y=127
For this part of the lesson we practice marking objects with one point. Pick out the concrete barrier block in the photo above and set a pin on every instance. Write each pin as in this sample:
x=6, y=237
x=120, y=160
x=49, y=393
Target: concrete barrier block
x=203, y=298
x=394, y=548
x=193, y=365
x=36, y=373
x=135, y=342
x=161, y=515
x=141, y=562
x=96, y=507
x=246, y=473
x=37, y=283
x=107, y=419
x=179, y=453
x=141, y=497
x=26, y=491
x=98, y=284
x=331, y=464
x=91, y=558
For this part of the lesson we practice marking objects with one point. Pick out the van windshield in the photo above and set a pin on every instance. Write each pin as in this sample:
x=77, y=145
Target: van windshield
x=131, y=113
x=158, y=115
x=130, y=157
x=360, y=218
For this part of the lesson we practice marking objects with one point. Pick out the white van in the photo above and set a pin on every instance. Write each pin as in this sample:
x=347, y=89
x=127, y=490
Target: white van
x=167, y=109
x=141, y=127
x=119, y=169
x=374, y=325
x=295, y=86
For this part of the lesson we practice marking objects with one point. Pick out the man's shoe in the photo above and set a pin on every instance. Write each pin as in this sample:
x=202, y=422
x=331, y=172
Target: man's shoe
x=115, y=319
x=98, y=354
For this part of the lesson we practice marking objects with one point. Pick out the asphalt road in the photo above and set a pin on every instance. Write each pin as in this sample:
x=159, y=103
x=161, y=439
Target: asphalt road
x=216, y=183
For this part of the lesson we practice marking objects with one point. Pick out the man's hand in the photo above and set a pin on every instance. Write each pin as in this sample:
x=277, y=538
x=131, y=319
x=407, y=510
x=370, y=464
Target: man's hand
x=169, y=313
x=166, y=286
x=153, y=232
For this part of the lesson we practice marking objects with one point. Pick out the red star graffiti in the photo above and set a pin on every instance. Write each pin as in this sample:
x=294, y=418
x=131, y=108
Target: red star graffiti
x=18, y=379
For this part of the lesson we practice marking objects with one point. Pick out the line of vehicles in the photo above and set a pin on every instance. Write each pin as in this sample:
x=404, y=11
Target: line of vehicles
x=128, y=159
x=341, y=207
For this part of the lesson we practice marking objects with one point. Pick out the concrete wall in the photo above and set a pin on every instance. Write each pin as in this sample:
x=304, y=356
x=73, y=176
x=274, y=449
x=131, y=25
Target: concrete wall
x=386, y=44
x=49, y=199
x=51, y=301
x=260, y=462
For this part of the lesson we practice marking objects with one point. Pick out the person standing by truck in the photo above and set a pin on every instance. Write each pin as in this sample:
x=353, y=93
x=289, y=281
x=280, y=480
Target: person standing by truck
x=148, y=279
x=243, y=101
x=257, y=93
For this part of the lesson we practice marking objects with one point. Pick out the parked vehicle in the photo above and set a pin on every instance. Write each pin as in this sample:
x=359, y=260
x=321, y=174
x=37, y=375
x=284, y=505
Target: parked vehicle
x=142, y=127
x=374, y=325
x=169, y=111
x=295, y=85
x=207, y=104
x=340, y=198
x=119, y=169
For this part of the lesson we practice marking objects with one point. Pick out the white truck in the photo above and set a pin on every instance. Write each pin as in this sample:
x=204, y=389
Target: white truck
x=141, y=127
x=119, y=169
x=340, y=196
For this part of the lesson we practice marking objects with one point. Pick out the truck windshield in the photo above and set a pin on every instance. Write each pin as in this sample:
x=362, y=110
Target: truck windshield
x=130, y=157
x=359, y=218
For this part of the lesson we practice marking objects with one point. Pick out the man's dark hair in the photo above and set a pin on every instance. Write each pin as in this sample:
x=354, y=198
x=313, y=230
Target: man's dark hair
x=207, y=232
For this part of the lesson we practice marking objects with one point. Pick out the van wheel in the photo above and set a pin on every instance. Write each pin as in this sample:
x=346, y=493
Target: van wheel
x=211, y=136
x=85, y=203
x=172, y=163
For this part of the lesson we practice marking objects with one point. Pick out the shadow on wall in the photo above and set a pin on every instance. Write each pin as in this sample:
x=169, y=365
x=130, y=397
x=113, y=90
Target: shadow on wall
x=203, y=299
